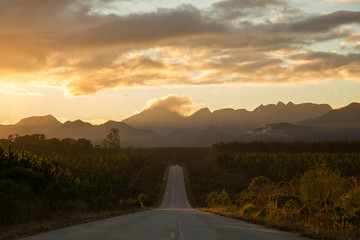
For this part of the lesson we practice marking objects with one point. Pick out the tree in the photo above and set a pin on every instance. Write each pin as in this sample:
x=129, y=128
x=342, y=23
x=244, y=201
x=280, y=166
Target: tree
x=112, y=140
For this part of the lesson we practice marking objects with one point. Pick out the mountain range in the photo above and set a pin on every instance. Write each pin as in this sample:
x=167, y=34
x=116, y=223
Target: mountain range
x=228, y=120
x=161, y=127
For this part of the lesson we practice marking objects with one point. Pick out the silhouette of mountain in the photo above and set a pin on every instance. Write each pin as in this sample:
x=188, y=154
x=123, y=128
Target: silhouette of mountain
x=51, y=127
x=76, y=129
x=345, y=117
x=160, y=127
x=96, y=133
x=338, y=124
x=47, y=121
x=198, y=120
x=290, y=112
x=183, y=138
x=288, y=131
x=231, y=121
x=130, y=136
x=160, y=120
x=283, y=132
x=30, y=125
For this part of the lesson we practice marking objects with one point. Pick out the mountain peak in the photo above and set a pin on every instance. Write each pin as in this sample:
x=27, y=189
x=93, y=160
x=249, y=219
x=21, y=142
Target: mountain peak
x=280, y=104
x=77, y=122
x=47, y=120
x=203, y=112
x=345, y=117
x=160, y=119
x=290, y=103
x=353, y=105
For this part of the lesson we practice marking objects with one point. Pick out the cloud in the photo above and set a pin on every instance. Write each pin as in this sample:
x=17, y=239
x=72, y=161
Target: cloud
x=352, y=38
x=11, y=90
x=97, y=121
x=345, y=1
x=77, y=46
x=232, y=9
x=9, y=122
x=321, y=23
x=231, y=4
x=328, y=65
x=181, y=104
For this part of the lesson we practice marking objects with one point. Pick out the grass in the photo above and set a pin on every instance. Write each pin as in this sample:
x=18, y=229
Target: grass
x=279, y=225
x=31, y=228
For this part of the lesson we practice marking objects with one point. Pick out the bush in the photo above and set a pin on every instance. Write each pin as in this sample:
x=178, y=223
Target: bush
x=247, y=210
x=321, y=186
x=218, y=199
x=35, y=180
x=143, y=200
x=211, y=199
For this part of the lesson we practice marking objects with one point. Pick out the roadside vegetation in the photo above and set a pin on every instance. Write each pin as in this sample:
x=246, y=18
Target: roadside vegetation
x=312, y=189
x=309, y=188
x=68, y=181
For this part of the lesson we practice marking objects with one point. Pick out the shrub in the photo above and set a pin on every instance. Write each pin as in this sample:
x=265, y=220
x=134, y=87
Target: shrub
x=211, y=199
x=247, y=210
x=143, y=200
x=35, y=180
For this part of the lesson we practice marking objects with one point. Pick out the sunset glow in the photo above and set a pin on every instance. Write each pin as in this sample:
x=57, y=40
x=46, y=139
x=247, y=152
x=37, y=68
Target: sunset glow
x=99, y=60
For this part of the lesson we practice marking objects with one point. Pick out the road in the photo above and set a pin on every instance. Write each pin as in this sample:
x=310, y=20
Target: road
x=174, y=219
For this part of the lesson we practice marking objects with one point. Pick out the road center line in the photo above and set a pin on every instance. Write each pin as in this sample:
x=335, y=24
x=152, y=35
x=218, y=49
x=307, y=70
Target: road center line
x=180, y=229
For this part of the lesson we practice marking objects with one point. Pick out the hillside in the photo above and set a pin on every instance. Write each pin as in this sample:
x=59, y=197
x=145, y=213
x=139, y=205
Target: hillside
x=161, y=127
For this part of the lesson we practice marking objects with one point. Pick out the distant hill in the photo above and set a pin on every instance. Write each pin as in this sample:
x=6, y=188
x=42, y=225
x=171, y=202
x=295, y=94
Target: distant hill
x=291, y=113
x=36, y=124
x=53, y=128
x=96, y=133
x=290, y=132
x=182, y=138
x=160, y=127
x=159, y=119
x=338, y=124
x=346, y=117
x=229, y=120
x=76, y=129
x=47, y=121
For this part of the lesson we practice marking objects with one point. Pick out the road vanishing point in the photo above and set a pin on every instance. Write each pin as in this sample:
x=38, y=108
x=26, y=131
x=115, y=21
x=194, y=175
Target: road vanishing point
x=175, y=219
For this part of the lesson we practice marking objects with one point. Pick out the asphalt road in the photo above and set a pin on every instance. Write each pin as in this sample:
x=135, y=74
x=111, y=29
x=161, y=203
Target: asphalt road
x=175, y=219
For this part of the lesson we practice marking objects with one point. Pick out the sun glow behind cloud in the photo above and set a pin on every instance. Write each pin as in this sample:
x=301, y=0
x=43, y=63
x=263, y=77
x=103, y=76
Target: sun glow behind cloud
x=181, y=104
x=86, y=49
x=92, y=51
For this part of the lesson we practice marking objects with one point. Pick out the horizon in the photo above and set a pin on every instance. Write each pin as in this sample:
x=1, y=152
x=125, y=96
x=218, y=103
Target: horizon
x=176, y=111
x=104, y=60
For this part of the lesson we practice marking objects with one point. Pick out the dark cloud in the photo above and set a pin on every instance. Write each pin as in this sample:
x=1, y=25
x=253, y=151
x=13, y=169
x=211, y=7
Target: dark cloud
x=320, y=23
x=231, y=4
x=148, y=27
x=325, y=62
x=232, y=9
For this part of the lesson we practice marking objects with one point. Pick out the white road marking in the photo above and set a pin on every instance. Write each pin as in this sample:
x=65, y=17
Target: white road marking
x=181, y=233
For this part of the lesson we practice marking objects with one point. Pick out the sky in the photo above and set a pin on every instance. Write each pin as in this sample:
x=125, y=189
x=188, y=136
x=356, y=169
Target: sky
x=100, y=60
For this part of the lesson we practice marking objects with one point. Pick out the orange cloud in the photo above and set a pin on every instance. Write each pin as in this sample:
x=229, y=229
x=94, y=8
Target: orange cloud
x=181, y=104
x=69, y=44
